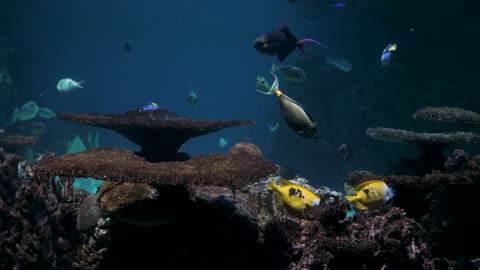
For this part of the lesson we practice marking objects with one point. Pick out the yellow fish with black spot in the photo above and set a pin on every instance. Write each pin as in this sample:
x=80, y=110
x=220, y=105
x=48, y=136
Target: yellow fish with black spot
x=370, y=194
x=295, y=196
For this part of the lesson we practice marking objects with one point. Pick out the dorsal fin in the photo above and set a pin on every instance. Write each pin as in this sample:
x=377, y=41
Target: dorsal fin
x=285, y=182
x=364, y=184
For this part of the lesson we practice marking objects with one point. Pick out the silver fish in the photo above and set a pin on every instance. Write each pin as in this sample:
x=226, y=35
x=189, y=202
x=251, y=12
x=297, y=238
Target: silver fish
x=342, y=64
x=289, y=72
x=26, y=112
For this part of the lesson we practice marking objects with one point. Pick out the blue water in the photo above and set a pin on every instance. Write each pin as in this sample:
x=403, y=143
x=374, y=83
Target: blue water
x=206, y=46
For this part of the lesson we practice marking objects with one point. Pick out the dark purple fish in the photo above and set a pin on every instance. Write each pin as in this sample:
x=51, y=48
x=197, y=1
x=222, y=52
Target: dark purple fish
x=281, y=42
x=345, y=151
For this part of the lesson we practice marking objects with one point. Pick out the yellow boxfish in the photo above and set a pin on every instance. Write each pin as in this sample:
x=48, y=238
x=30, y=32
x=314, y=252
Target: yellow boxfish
x=295, y=196
x=370, y=194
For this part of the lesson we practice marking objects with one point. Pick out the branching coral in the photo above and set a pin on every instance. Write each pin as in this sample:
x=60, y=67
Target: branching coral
x=37, y=220
x=159, y=133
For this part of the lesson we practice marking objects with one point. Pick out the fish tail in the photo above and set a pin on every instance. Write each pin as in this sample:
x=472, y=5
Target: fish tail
x=272, y=186
x=301, y=43
x=14, y=115
x=80, y=84
x=351, y=199
x=393, y=48
x=273, y=68
x=273, y=87
x=301, y=46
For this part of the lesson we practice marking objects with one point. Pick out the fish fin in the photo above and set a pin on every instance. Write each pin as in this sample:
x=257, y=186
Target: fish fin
x=301, y=46
x=301, y=43
x=273, y=87
x=277, y=197
x=80, y=84
x=360, y=206
x=351, y=199
x=348, y=189
x=14, y=115
x=361, y=186
x=273, y=68
x=285, y=182
x=282, y=55
x=272, y=186
x=393, y=48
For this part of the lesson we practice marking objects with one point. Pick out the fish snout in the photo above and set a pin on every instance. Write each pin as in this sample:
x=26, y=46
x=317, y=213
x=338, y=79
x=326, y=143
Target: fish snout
x=260, y=42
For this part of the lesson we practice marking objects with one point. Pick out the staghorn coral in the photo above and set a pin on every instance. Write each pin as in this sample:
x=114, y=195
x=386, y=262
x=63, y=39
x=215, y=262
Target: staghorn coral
x=12, y=143
x=448, y=115
x=235, y=169
x=160, y=133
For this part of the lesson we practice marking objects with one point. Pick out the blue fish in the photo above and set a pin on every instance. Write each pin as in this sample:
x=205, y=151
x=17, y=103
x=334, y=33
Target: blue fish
x=387, y=54
x=152, y=106
x=338, y=4
x=192, y=98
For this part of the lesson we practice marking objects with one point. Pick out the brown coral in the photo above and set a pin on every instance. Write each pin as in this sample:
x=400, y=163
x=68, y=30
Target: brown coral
x=37, y=224
x=434, y=180
x=398, y=135
x=235, y=169
x=159, y=133
x=448, y=115
x=12, y=143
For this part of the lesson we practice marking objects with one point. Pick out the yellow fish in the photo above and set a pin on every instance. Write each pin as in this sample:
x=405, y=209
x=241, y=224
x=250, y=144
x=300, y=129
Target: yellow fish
x=370, y=194
x=295, y=196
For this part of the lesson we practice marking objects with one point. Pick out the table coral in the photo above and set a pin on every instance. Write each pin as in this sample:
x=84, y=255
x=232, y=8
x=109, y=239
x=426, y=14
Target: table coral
x=160, y=133
x=235, y=169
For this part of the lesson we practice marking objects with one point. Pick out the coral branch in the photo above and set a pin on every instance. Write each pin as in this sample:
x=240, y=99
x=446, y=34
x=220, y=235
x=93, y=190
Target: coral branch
x=448, y=115
x=399, y=135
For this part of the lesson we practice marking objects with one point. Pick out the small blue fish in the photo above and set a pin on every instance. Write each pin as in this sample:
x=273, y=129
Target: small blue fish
x=152, y=106
x=192, y=98
x=338, y=4
x=387, y=54
x=273, y=126
x=222, y=142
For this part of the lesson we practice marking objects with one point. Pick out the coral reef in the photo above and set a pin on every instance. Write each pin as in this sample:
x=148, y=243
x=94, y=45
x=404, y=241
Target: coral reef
x=13, y=143
x=160, y=133
x=216, y=227
x=442, y=203
x=243, y=165
x=431, y=145
x=37, y=219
